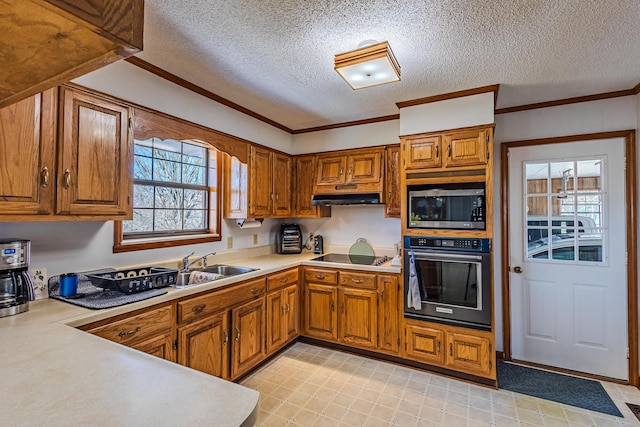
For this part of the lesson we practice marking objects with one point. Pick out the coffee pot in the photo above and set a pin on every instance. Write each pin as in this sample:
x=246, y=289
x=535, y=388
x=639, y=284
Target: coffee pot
x=16, y=286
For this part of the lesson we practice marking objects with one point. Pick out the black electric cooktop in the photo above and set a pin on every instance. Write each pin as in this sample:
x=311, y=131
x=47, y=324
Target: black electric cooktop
x=353, y=259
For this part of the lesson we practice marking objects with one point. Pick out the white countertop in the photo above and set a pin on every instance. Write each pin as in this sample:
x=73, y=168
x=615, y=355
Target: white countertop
x=56, y=375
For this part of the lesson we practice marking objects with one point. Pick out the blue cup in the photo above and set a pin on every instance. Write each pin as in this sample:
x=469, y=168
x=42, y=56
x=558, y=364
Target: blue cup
x=68, y=284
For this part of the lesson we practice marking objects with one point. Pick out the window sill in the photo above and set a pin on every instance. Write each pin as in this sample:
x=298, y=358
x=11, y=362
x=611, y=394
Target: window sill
x=144, y=244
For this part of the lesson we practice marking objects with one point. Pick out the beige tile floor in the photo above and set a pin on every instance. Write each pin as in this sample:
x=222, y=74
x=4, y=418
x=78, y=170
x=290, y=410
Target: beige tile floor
x=313, y=386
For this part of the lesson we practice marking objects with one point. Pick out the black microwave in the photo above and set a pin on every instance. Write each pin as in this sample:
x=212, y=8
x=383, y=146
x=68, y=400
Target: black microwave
x=447, y=206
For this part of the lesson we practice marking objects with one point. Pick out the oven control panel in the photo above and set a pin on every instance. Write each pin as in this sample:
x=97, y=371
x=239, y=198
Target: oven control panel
x=447, y=243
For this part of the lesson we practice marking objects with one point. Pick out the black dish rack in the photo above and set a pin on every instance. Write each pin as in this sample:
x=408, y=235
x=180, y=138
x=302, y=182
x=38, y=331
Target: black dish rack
x=131, y=281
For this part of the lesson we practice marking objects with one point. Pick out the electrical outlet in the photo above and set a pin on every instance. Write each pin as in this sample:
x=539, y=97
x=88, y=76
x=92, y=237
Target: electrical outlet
x=229, y=242
x=255, y=239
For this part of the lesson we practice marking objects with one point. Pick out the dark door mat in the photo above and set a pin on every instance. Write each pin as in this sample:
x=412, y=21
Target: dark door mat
x=635, y=409
x=579, y=392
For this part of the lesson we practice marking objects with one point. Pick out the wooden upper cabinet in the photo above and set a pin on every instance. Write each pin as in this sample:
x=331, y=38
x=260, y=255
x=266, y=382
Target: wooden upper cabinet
x=423, y=153
x=304, y=176
x=466, y=148
x=261, y=177
x=270, y=187
x=27, y=155
x=95, y=152
x=331, y=169
x=281, y=182
x=392, y=182
x=350, y=171
x=235, y=188
x=49, y=42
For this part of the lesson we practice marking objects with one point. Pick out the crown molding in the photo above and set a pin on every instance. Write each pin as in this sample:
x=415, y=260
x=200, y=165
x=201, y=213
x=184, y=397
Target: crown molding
x=147, y=66
x=347, y=124
x=452, y=95
x=566, y=101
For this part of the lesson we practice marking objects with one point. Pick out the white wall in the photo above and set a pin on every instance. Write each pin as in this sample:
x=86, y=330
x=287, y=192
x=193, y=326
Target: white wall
x=131, y=83
x=574, y=119
x=382, y=133
x=453, y=113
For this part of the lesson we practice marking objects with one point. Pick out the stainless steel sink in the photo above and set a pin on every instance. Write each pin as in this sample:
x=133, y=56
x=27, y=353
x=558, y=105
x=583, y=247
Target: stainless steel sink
x=219, y=269
x=226, y=270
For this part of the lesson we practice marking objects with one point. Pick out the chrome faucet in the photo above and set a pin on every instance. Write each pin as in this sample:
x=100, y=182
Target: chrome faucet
x=186, y=264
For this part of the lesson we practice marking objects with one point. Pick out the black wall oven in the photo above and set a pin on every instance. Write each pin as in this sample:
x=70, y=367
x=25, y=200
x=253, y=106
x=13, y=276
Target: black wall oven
x=452, y=277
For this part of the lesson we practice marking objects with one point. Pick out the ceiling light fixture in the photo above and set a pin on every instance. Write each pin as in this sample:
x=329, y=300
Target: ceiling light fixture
x=370, y=65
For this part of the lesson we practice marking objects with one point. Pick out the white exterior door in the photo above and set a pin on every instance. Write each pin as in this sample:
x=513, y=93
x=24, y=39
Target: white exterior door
x=568, y=273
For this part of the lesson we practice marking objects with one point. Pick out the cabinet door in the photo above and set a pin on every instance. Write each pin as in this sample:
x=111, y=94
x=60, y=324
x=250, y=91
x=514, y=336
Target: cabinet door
x=275, y=321
x=422, y=153
x=260, y=182
x=27, y=138
x=292, y=313
x=161, y=346
x=358, y=317
x=331, y=169
x=364, y=167
x=392, y=182
x=305, y=175
x=248, y=327
x=321, y=320
x=469, y=353
x=389, y=314
x=235, y=188
x=95, y=149
x=424, y=344
x=203, y=345
x=282, y=184
x=466, y=148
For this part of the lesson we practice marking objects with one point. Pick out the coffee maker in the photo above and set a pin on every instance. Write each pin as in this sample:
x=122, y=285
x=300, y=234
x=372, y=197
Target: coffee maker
x=16, y=286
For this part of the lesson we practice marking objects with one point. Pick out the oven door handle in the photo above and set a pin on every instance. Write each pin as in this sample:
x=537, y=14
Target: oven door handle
x=422, y=256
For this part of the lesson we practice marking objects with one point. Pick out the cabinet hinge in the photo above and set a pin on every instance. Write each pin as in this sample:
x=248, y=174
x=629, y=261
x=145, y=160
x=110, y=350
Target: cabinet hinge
x=175, y=344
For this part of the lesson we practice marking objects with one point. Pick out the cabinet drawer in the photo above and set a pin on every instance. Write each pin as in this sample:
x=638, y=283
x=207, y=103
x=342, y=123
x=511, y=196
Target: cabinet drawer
x=198, y=307
x=358, y=280
x=281, y=280
x=318, y=275
x=136, y=329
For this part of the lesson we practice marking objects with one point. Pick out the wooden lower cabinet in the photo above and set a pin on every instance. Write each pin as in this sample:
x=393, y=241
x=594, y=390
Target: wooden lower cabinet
x=390, y=312
x=459, y=349
x=282, y=317
x=150, y=330
x=358, y=325
x=248, y=326
x=320, y=318
x=203, y=345
x=354, y=308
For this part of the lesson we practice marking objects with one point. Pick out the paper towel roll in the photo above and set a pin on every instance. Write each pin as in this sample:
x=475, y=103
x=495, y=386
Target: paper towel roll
x=249, y=223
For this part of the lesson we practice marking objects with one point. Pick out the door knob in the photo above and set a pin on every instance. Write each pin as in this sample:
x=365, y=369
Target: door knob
x=517, y=269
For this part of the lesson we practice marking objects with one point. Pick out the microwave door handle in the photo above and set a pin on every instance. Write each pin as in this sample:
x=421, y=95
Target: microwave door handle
x=445, y=257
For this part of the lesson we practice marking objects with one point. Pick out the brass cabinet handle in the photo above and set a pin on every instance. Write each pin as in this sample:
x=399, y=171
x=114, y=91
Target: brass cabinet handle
x=67, y=178
x=226, y=336
x=342, y=307
x=437, y=151
x=382, y=295
x=438, y=345
x=357, y=280
x=254, y=290
x=237, y=333
x=449, y=150
x=199, y=308
x=283, y=309
x=288, y=307
x=451, y=349
x=44, y=177
x=389, y=194
x=319, y=276
x=125, y=334
x=333, y=306
x=285, y=280
x=350, y=171
x=340, y=172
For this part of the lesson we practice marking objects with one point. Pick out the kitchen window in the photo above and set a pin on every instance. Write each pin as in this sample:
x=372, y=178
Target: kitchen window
x=175, y=195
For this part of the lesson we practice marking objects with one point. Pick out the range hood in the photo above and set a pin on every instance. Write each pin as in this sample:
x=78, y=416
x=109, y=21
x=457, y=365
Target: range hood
x=346, y=199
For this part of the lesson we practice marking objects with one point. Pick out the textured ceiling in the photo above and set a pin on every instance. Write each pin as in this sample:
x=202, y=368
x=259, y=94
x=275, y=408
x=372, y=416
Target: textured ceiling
x=275, y=57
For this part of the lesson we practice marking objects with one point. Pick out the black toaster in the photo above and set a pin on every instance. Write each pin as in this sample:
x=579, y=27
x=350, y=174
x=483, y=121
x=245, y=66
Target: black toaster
x=289, y=239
